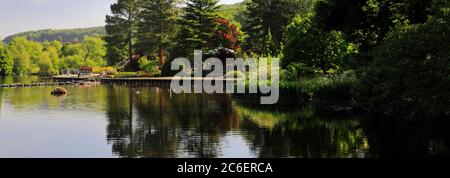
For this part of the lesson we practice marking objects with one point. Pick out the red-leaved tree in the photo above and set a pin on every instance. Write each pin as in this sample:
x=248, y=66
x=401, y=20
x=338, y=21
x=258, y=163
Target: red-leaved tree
x=228, y=34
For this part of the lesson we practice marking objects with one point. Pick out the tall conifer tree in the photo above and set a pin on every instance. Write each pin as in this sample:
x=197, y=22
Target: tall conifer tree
x=156, y=27
x=121, y=29
x=263, y=15
x=198, y=26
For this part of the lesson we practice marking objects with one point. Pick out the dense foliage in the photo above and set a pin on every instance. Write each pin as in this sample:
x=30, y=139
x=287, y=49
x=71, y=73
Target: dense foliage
x=410, y=74
x=308, y=44
x=234, y=12
x=263, y=16
x=156, y=27
x=121, y=28
x=406, y=67
x=197, y=26
x=49, y=58
x=366, y=22
x=6, y=61
x=150, y=67
x=166, y=30
x=228, y=34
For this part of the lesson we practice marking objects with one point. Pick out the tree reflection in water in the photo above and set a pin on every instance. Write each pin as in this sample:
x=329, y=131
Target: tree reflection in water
x=301, y=133
x=150, y=122
x=147, y=122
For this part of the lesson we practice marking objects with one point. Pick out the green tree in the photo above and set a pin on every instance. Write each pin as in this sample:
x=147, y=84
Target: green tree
x=71, y=62
x=71, y=49
x=156, y=27
x=57, y=45
x=48, y=58
x=308, y=44
x=35, y=58
x=366, y=22
x=409, y=76
x=54, y=56
x=94, y=51
x=270, y=48
x=263, y=15
x=46, y=66
x=121, y=29
x=198, y=26
x=22, y=64
x=26, y=55
x=90, y=52
x=35, y=52
x=54, y=51
x=6, y=62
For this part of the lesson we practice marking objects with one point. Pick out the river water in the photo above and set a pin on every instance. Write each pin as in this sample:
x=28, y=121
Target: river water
x=122, y=121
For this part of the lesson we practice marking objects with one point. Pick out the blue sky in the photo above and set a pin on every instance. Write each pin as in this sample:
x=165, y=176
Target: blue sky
x=25, y=15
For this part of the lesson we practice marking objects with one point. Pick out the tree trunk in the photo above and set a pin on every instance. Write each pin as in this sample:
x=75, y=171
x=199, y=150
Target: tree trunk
x=130, y=50
x=162, y=57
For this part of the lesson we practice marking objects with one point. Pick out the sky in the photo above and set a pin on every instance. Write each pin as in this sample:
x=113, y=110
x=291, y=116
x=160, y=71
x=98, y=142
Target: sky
x=27, y=15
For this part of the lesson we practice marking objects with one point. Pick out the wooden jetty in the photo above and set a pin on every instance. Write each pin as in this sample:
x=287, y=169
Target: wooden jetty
x=144, y=81
x=151, y=81
x=21, y=85
x=74, y=78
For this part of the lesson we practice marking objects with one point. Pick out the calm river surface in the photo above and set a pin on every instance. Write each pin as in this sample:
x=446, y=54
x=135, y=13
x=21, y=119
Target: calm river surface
x=121, y=121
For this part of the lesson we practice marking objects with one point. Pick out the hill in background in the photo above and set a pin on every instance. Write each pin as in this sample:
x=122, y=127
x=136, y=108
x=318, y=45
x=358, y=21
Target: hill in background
x=65, y=35
x=235, y=12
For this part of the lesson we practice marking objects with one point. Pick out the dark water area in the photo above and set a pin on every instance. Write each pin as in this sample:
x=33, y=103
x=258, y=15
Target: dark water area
x=123, y=121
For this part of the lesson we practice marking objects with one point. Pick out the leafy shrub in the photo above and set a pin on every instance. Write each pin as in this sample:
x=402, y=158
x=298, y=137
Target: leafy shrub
x=150, y=67
x=410, y=75
x=107, y=70
x=339, y=88
x=126, y=74
x=308, y=44
x=296, y=71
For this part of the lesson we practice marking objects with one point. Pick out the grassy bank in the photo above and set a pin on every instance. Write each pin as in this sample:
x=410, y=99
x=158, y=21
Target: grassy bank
x=337, y=92
x=336, y=88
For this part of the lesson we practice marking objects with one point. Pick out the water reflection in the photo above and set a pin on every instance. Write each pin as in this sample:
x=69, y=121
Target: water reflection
x=300, y=133
x=122, y=121
x=149, y=122
x=146, y=122
x=15, y=79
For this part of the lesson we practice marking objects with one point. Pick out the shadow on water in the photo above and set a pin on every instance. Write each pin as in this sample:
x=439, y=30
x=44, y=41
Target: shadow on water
x=392, y=138
x=156, y=124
